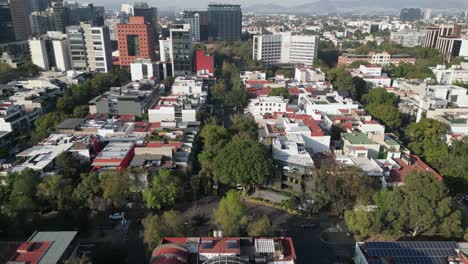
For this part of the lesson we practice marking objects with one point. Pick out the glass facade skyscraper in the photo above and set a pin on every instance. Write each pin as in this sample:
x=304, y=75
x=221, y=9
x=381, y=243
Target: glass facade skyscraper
x=225, y=22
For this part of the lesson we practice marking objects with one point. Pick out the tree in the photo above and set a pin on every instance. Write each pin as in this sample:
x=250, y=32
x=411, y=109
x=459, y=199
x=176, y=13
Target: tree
x=282, y=91
x=237, y=97
x=81, y=111
x=214, y=137
x=156, y=227
x=244, y=124
x=245, y=162
x=389, y=115
x=218, y=90
x=19, y=193
x=423, y=131
x=55, y=190
x=115, y=187
x=68, y=166
x=66, y=104
x=421, y=206
x=230, y=215
x=380, y=96
x=164, y=190
x=46, y=124
x=340, y=188
x=88, y=190
x=259, y=227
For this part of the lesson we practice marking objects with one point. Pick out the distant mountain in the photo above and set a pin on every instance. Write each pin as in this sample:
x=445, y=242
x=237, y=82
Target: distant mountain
x=330, y=6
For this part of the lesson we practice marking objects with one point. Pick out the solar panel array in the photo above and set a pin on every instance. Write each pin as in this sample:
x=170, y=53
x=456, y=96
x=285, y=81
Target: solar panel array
x=414, y=252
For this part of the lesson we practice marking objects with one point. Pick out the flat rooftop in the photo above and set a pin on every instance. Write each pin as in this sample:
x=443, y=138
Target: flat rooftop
x=115, y=150
x=357, y=138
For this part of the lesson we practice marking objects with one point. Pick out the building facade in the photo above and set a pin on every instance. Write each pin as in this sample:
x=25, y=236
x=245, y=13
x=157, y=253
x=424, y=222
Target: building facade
x=7, y=31
x=408, y=38
x=203, y=63
x=285, y=48
x=136, y=39
x=225, y=22
x=181, y=49
x=98, y=47
x=20, y=16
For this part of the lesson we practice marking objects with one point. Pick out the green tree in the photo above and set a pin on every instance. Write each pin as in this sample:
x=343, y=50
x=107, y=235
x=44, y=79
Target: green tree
x=230, y=215
x=88, y=190
x=19, y=193
x=421, y=206
x=245, y=162
x=81, y=111
x=156, y=227
x=55, y=190
x=218, y=90
x=68, y=166
x=389, y=115
x=282, y=91
x=115, y=187
x=66, y=104
x=46, y=124
x=424, y=131
x=244, y=124
x=164, y=190
x=380, y=96
x=237, y=97
x=259, y=227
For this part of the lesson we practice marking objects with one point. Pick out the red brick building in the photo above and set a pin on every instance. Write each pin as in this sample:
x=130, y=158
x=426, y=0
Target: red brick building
x=135, y=40
x=203, y=63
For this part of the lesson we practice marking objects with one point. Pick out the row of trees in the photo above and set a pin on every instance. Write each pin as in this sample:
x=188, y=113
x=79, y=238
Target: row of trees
x=26, y=69
x=230, y=89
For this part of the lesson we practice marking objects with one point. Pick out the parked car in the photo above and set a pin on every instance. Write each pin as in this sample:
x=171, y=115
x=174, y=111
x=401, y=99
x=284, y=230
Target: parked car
x=117, y=216
x=309, y=225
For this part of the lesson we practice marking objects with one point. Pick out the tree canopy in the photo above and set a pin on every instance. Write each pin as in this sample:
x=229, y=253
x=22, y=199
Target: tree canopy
x=164, y=191
x=156, y=227
x=230, y=215
x=420, y=207
x=115, y=187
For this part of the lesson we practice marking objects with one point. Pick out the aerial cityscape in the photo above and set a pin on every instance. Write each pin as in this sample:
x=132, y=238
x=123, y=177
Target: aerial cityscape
x=234, y=132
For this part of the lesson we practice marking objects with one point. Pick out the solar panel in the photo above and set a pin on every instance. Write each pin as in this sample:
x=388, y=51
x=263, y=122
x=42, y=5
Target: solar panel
x=413, y=251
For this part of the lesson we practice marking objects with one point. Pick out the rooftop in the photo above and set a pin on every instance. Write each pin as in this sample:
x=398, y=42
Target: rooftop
x=357, y=138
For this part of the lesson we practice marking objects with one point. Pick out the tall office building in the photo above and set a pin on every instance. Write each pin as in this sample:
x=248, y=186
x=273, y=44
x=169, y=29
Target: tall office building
x=410, y=14
x=225, y=22
x=285, y=48
x=90, y=47
x=77, y=48
x=427, y=14
x=433, y=33
x=149, y=13
x=98, y=47
x=20, y=16
x=136, y=39
x=198, y=21
x=181, y=49
x=41, y=22
x=127, y=9
x=50, y=51
x=89, y=13
x=194, y=22
x=60, y=16
x=7, y=31
x=39, y=5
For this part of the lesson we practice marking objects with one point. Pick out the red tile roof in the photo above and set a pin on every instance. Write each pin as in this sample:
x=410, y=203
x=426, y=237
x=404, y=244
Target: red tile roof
x=31, y=252
x=219, y=245
x=127, y=118
x=398, y=175
x=159, y=144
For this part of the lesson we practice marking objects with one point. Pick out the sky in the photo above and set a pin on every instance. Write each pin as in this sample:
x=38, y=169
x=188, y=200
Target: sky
x=202, y=4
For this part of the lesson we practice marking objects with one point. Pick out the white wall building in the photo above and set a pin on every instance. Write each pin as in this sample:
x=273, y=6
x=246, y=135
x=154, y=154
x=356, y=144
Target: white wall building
x=307, y=74
x=285, y=48
x=266, y=104
x=252, y=76
x=98, y=47
x=142, y=69
x=187, y=85
x=37, y=47
x=331, y=103
x=408, y=38
x=456, y=73
x=194, y=22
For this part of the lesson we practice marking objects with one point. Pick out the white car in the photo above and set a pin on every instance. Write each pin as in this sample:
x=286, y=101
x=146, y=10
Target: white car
x=117, y=216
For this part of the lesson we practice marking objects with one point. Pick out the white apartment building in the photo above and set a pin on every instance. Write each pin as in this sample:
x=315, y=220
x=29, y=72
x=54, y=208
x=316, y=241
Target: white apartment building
x=252, y=76
x=142, y=69
x=98, y=47
x=331, y=103
x=12, y=118
x=370, y=70
x=450, y=93
x=408, y=38
x=308, y=74
x=456, y=120
x=187, y=86
x=37, y=47
x=266, y=104
x=61, y=50
x=174, y=108
x=285, y=48
x=456, y=73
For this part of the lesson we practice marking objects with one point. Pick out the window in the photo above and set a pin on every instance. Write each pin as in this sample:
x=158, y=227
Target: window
x=133, y=45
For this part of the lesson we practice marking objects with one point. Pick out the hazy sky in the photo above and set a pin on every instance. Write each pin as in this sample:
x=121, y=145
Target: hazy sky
x=202, y=4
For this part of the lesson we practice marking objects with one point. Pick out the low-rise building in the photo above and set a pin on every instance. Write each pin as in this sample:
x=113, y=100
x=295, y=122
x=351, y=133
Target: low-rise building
x=252, y=76
x=187, y=86
x=41, y=158
x=308, y=74
x=13, y=118
x=116, y=155
x=144, y=69
x=241, y=250
x=330, y=103
x=47, y=248
x=383, y=58
x=266, y=104
x=372, y=74
x=132, y=99
x=408, y=38
x=175, y=108
x=456, y=120
x=448, y=76
x=203, y=64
